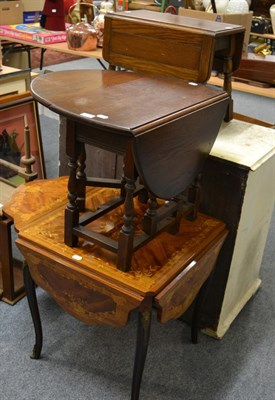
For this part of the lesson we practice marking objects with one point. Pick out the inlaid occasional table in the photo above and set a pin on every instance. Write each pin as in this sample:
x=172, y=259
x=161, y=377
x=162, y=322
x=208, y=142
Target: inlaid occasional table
x=168, y=273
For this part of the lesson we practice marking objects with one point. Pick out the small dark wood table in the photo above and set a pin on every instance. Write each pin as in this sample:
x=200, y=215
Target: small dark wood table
x=164, y=127
x=173, y=45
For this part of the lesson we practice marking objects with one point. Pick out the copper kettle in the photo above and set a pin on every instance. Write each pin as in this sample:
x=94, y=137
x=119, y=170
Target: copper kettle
x=81, y=36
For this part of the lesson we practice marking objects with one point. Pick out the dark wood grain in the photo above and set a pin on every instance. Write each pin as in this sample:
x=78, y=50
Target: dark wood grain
x=183, y=123
x=261, y=7
x=167, y=273
x=257, y=68
x=170, y=45
x=176, y=297
x=164, y=140
x=164, y=126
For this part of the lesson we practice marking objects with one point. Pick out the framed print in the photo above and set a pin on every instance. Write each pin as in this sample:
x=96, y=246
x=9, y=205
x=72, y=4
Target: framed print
x=16, y=113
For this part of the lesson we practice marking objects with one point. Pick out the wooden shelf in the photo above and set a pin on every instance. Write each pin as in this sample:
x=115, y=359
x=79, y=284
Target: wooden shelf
x=243, y=87
x=263, y=35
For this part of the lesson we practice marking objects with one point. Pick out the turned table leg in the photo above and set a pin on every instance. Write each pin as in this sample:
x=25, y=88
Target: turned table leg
x=81, y=178
x=150, y=220
x=126, y=235
x=227, y=86
x=74, y=150
x=32, y=300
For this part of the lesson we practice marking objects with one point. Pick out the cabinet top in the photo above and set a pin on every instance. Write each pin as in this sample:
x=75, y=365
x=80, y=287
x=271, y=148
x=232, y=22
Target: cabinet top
x=244, y=144
x=211, y=28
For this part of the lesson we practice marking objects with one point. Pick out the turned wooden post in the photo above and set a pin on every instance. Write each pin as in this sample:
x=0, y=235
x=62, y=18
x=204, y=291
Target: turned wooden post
x=72, y=211
x=126, y=236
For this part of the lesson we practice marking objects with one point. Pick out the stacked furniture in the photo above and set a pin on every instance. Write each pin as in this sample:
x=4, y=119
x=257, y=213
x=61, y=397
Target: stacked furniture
x=137, y=243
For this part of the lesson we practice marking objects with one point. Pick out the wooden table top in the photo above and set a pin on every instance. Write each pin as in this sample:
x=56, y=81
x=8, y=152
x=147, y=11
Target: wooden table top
x=63, y=48
x=127, y=102
x=211, y=28
x=167, y=272
x=113, y=107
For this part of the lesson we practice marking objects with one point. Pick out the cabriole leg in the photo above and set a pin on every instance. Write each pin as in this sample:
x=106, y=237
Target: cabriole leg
x=143, y=334
x=32, y=300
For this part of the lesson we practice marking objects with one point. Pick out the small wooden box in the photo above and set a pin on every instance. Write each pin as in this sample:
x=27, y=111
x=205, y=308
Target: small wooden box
x=170, y=44
x=236, y=19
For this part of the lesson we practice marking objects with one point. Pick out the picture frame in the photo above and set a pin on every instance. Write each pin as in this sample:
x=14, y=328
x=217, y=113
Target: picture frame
x=16, y=112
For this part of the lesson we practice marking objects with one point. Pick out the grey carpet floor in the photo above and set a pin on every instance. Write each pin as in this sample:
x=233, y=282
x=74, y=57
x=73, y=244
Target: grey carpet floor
x=95, y=362
x=50, y=138
x=81, y=362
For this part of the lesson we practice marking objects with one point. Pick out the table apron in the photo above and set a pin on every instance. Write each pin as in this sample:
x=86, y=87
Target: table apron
x=104, y=139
